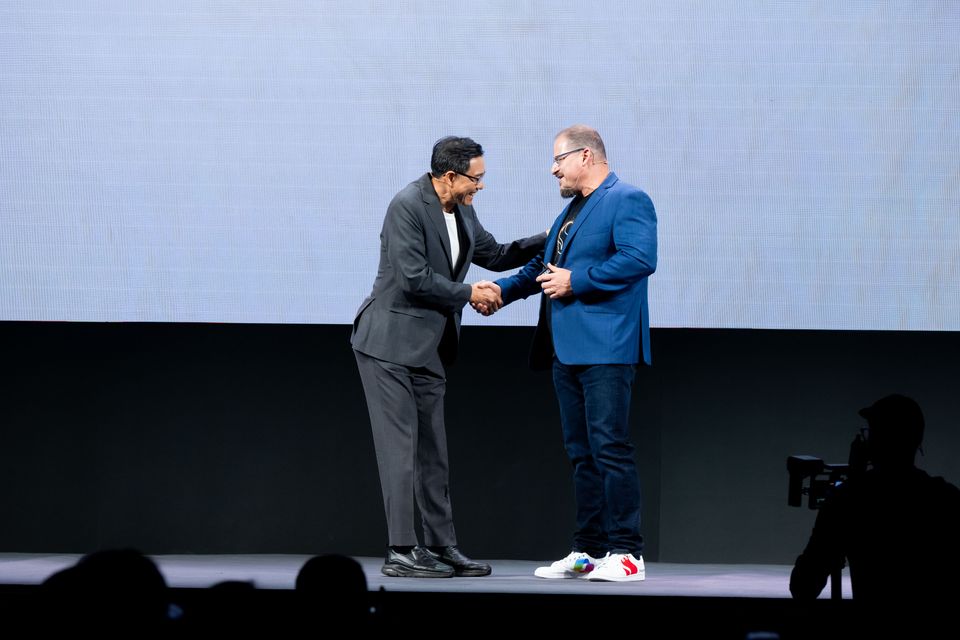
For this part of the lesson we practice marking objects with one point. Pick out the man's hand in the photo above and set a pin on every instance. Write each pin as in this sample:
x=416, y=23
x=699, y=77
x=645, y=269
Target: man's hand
x=555, y=282
x=485, y=297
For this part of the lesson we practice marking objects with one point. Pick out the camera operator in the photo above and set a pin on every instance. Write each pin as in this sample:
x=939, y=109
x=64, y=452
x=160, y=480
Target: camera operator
x=898, y=527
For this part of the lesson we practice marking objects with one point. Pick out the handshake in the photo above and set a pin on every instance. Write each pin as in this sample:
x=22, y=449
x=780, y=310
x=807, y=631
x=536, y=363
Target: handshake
x=485, y=297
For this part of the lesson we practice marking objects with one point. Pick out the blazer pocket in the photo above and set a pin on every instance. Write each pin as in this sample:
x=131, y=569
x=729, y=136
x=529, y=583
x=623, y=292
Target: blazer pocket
x=407, y=312
x=597, y=242
x=606, y=304
x=604, y=310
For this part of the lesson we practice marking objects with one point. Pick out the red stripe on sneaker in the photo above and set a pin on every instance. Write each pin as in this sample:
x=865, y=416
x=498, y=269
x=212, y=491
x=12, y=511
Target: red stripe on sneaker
x=628, y=566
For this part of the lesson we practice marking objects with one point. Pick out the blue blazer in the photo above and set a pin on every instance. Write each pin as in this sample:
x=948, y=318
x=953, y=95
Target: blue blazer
x=611, y=250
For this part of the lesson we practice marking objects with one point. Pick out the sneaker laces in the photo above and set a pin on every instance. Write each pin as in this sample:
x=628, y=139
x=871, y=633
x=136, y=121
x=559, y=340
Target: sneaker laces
x=599, y=562
x=570, y=561
x=570, y=557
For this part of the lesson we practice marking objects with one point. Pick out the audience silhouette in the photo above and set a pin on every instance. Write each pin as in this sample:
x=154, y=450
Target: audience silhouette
x=233, y=608
x=333, y=585
x=122, y=592
x=108, y=591
x=895, y=525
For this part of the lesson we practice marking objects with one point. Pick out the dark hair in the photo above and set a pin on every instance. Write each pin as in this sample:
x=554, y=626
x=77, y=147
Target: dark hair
x=580, y=135
x=453, y=154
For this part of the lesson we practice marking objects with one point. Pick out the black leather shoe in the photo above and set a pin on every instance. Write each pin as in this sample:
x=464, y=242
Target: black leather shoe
x=462, y=565
x=419, y=563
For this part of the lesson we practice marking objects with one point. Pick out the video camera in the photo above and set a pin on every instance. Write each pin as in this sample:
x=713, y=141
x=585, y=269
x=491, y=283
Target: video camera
x=823, y=476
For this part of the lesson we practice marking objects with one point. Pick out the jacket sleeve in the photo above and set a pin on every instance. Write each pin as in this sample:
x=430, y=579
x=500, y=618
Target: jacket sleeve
x=523, y=283
x=635, y=239
x=404, y=237
x=490, y=254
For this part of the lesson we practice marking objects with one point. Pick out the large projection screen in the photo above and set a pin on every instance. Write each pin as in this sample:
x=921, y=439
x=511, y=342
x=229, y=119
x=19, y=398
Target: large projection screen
x=192, y=161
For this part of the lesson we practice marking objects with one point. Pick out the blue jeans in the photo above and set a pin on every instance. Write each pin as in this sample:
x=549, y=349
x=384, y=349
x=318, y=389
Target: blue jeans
x=594, y=410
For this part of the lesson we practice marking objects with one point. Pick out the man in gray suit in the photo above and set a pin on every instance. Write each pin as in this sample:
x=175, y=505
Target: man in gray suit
x=407, y=330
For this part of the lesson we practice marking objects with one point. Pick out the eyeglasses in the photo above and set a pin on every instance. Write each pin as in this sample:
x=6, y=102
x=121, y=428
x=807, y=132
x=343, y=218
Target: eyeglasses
x=558, y=159
x=476, y=179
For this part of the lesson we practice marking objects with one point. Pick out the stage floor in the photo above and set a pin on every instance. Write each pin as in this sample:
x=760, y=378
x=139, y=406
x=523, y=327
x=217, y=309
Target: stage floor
x=509, y=576
x=718, y=601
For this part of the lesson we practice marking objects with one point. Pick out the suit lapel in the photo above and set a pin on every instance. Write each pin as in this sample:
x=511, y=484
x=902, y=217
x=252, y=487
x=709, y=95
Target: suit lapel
x=435, y=215
x=551, y=241
x=588, y=207
x=464, y=224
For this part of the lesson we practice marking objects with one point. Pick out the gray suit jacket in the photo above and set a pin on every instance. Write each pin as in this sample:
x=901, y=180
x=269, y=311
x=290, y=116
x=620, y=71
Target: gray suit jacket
x=418, y=294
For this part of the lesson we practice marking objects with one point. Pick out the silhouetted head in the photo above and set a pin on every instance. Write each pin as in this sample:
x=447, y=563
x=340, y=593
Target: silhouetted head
x=230, y=608
x=113, y=587
x=332, y=573
x=333, y=583
x=895, y=430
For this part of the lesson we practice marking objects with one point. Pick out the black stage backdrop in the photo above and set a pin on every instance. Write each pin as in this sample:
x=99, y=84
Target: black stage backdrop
x=229, y=438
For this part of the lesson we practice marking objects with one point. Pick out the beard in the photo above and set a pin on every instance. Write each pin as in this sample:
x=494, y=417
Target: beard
x=572, y=190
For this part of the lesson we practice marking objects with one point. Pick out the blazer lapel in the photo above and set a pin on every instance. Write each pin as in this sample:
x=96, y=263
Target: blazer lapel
x=551, y=241
x=590, y=205
x=435, y=215
x=465, y=223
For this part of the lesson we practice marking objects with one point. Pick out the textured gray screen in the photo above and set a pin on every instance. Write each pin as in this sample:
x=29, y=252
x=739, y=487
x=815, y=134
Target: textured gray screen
x=232, y=161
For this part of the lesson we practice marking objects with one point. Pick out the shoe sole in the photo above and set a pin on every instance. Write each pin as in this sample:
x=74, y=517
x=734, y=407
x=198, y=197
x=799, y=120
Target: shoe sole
x=473, y=573
x=394, y=571
x=564, y=576
x=634, y=578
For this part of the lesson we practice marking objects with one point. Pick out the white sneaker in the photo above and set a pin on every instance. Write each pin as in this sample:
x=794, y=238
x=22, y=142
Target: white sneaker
x=576, y=565
x=619, y=567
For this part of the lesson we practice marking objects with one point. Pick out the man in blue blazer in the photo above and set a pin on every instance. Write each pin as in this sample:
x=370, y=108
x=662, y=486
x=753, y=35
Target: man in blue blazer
x=594, y=328
x=407, y=331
